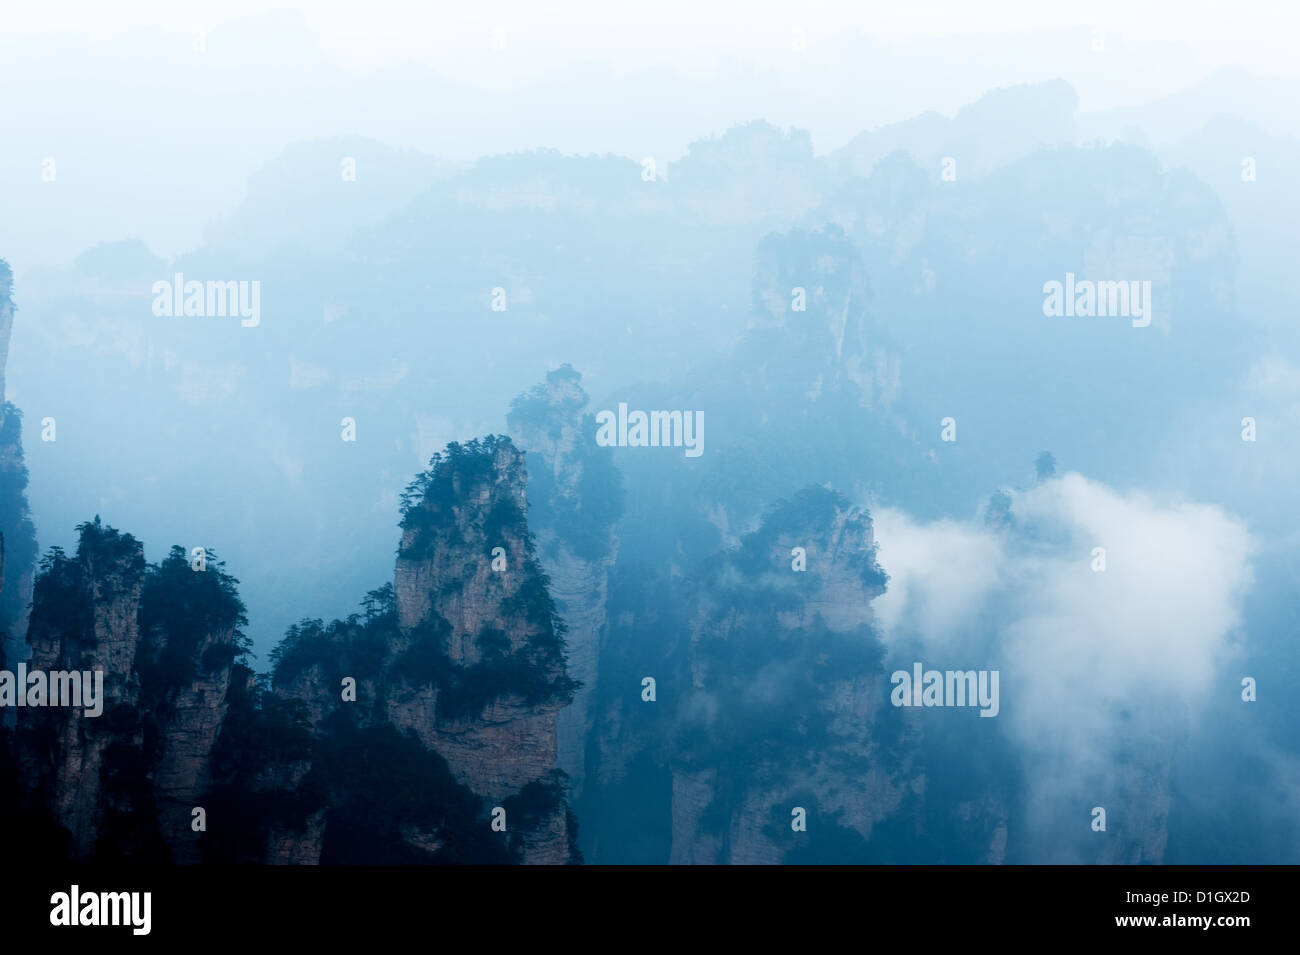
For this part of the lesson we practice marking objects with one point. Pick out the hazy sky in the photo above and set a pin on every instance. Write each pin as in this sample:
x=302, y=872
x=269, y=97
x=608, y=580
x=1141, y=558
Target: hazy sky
x=158, y=112
x=458, y=38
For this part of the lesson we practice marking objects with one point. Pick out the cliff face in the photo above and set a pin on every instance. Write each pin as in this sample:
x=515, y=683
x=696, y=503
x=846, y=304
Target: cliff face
x=124, y=783
x=83, y=618
x=576, y=497
x=467, y=572
x=783, y=709
x=6, y=318
x=190, y=637
x=816, y=355
x=17, y=535
x=810, y=296
x=423, y=730
x=459, y=664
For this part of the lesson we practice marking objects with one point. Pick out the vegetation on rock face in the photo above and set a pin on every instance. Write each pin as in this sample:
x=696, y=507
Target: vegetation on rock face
x=61, y=608
x=356, y=646
x=808, y=514
x=537, y=802
x=107, y=565
x=770, y=688
x=465, y=691
x=264, y=737
x=583, y=519
x=108, y=550
x=189, y=628
x=376, y=785
x=362, y=647
x=181, y=608
x=17, y=533
x=434, y=505
x=385, y=785
x=539, y=406
x=364, y=772
x=434, y=498
x=29, y=829
x=581, y=516
x=774, y=703
x=381, y=795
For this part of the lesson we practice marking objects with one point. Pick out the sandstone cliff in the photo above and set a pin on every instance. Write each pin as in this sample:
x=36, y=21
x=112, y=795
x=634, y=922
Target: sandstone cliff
x=124, y=783
x=190, y=618
x=84, y=618
x=422, y=730
x=576, y=496
x=451, y=680
x=783, y=708
x=467, y=571
x=17, y=535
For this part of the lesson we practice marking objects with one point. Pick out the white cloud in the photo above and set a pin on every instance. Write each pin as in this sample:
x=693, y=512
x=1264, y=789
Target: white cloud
x=1093, y=664
x=1157, y=619
x=939, y=574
